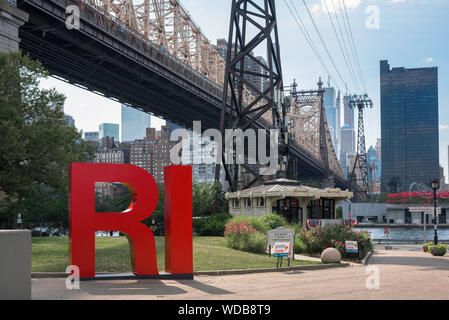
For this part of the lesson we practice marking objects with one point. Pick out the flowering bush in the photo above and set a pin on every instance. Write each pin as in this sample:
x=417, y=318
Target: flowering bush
x=244, y=237
x=318, y=239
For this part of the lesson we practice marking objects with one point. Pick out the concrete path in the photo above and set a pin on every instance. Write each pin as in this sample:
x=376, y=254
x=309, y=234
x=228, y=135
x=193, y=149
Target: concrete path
x=403, y=273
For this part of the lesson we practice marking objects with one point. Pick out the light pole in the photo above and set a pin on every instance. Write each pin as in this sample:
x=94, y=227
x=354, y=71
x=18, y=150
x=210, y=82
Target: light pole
x=435, y=188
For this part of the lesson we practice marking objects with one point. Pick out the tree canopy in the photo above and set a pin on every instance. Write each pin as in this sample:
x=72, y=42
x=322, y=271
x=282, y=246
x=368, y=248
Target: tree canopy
x=36, y=146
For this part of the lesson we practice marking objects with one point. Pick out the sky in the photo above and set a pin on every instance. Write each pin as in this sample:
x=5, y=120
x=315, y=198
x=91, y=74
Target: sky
x=408, y=33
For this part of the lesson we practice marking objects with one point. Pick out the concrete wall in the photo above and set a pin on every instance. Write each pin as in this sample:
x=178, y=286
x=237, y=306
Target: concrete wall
x=15, y=265
x=11, y=19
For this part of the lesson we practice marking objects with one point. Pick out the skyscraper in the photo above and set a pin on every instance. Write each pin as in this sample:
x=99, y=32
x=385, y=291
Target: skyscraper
x=134, y=123
x=442, y=179
x=378, y=148
x=348, y=111
x=250, y=65
x=111, y=130
x=409, y=124
x=69, y=121
x=374, y=170
x=92, y=136
x=333, y=116
x=347, y=136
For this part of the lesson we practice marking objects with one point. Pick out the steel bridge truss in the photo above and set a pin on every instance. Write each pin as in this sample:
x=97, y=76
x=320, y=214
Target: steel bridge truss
x=168, y=26
x=308, y=126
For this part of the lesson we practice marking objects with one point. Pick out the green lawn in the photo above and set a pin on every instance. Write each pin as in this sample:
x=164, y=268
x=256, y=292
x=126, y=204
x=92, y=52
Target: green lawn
x=112, y=255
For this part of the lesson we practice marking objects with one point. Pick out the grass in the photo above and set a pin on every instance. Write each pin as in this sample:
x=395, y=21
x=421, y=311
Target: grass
x=112, y=255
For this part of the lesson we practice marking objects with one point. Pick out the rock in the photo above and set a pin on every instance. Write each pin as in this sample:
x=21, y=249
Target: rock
x=331, y=255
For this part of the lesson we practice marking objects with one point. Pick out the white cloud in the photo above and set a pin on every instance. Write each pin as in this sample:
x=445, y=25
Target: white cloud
x=429, y=60
x=444, y=126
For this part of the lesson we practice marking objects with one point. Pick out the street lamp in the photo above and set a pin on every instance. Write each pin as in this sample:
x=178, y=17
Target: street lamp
x=435, y=188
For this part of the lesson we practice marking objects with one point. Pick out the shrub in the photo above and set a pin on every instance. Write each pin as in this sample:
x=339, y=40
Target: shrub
x=299, y=247
x=318, y=239
x=256, y=222
x=244, y=237
x=274, y=221
x=213, y=225
x=256, y=243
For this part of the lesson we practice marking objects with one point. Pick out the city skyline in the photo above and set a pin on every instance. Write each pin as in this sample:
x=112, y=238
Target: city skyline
x=390, y=42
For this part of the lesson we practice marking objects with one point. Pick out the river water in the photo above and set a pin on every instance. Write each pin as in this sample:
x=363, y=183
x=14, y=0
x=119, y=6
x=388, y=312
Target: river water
x=406, y=234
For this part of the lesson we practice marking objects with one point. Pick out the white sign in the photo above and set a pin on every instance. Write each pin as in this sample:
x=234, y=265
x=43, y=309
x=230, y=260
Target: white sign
x=280, y=235
x=352, y=247
x=283, y=250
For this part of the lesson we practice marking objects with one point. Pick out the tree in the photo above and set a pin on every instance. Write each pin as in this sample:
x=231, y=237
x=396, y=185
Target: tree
x=36, y=147
x=208, y=199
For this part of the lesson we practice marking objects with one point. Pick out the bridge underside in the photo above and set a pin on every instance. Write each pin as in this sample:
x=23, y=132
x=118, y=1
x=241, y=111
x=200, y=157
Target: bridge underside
x=113, y=62
x=110, y=62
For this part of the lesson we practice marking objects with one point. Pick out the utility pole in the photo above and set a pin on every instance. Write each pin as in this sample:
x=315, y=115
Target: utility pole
x=360, y=102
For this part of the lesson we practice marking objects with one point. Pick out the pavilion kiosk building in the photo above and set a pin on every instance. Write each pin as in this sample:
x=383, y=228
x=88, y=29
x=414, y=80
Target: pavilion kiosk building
x=291, y=199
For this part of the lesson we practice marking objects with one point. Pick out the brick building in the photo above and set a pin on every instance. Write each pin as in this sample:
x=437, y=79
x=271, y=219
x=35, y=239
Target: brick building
x=153, y=152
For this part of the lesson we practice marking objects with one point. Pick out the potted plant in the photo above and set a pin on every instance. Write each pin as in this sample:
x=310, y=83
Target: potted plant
x=426, y=246
x=438, y=250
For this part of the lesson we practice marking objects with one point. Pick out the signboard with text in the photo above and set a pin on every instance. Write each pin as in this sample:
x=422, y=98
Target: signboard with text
x=352, y=247
x=280, y=235
x=283, y=250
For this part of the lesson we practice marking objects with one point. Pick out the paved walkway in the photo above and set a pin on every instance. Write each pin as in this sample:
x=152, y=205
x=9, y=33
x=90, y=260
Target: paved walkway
x=404, y=273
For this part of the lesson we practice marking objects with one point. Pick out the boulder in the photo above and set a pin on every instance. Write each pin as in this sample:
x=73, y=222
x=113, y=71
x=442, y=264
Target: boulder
x=331, y=255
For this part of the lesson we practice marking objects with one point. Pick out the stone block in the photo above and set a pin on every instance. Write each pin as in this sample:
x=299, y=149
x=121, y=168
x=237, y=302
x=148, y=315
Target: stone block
x=15, y=265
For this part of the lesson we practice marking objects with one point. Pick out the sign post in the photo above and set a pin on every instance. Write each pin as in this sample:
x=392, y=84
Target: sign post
x=387, y=233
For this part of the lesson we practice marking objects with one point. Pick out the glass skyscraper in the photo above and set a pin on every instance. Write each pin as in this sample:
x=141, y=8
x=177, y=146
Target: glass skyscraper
x=332, y=108
x=134, y=124
x=110, y=130
x=409, y=124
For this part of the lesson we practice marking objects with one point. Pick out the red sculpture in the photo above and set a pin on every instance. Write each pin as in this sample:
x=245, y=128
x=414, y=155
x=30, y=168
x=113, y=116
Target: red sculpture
x=84, y=221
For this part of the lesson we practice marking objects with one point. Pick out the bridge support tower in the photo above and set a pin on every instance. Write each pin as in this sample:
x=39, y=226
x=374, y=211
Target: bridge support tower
x=253, y=25
x=11, y=19
x=359, y=176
